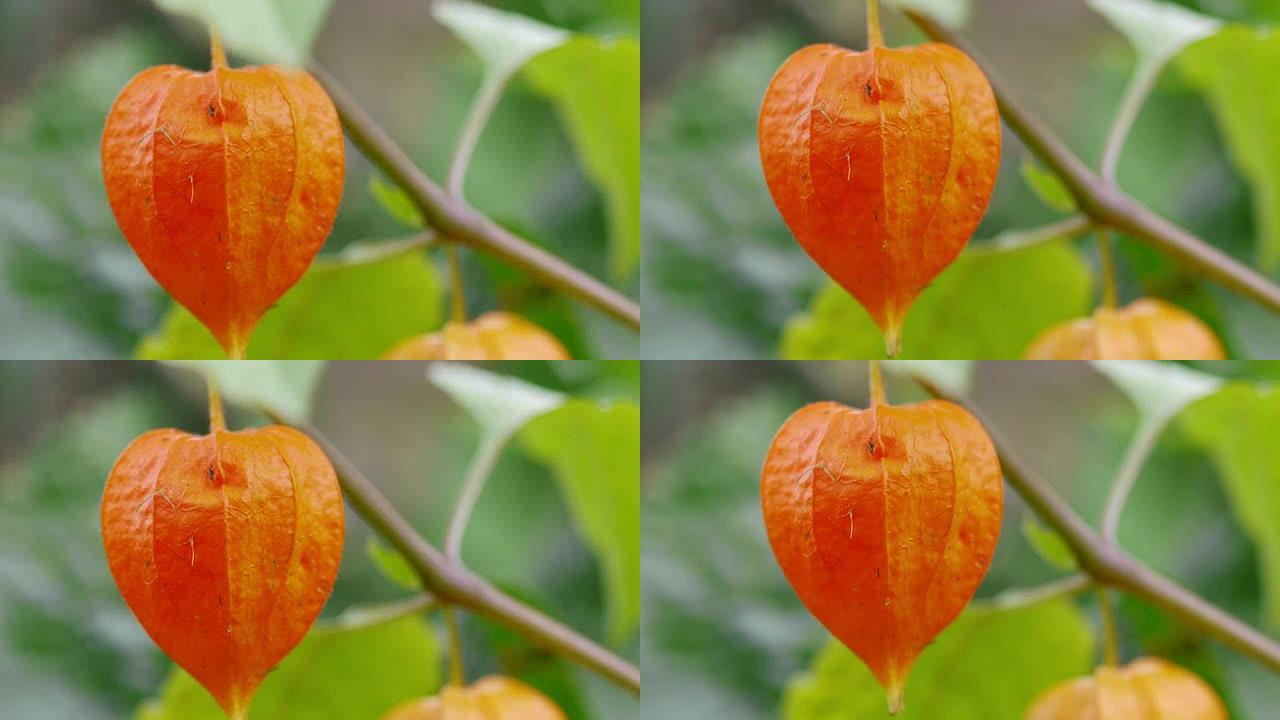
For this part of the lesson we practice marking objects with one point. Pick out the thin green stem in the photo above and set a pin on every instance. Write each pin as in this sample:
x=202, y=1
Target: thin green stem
x=486, y=456
x=458, y=295
x=217, y=54
x=1026, y=597
x=367, y=252
x=1067, y=228
x=1135, y=457
x=457, y=669
x=875, y=35
x=1135, y=95
x=875, y=379
x=358, y=617
x=1106, y=258
x=1110, y=636
x=482, y=107
x=217, y=421
x=478, y=115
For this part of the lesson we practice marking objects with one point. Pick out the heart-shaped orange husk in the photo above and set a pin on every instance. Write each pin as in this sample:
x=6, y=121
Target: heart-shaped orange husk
x=225, y=183
x=1146, y=329
x=492, y=698
x=882, y=164
x=884, y=521
x=494, y=335
x=1146, y=689
x=225, y=546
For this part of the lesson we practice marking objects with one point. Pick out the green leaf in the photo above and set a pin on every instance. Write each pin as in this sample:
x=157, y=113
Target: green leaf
x=392, y=564
x=283, y=387
x=279, y=31
x=988, y=664
x=1237, y=429
x=1049, y=545
x=1157, y=30
x=951, y=13
x=1159, y=390
x=595, y=86
x=331, y=675
x=340, y=310
x=396, y=202
x=1236, y=71
x=594, y=450
x=1048, y=187
x=504, y=41
x=987, y=305
x=501, y=404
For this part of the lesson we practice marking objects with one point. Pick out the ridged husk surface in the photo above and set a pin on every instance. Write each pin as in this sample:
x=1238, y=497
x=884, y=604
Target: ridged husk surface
x=226, y=183
x=884, y=521
x=225, y=546
x=882, y=163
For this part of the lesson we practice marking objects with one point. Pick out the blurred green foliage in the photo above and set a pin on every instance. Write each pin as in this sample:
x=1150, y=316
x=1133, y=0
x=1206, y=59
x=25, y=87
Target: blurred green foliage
x=70, y=648
x=725, y=636
x=958, y=317
x=955, y=675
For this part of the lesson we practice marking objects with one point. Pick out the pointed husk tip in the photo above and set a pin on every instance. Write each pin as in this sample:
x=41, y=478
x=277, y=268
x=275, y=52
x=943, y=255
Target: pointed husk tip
x=892, y=339
x=894, y=695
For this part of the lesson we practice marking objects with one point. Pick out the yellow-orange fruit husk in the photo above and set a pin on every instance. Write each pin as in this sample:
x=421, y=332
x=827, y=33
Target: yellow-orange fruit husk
x=494, y=335
x=226, y=183
x=492, y=698
x=882, y=163
x=884, y=521
x=1146, y=329
x=1146, y=689
x=225, y=546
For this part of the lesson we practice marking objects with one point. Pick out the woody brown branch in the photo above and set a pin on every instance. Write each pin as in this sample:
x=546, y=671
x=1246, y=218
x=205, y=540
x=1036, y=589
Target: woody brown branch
x=1106, y=203
x=1108, y=564
x=456, y=221
x=452, y=584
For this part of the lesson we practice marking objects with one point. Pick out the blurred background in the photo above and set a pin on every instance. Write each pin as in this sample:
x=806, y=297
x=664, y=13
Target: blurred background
x=723, y=276
x=71, y=287
x=724, y=636
x=70, y=648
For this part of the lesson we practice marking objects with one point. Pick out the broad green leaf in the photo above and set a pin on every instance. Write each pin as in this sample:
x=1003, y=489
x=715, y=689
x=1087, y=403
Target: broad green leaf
x=987, y=664
x=1237, y=72
x=594, y=450
x=504, y=41
x=987, y=305
x=392, y=564
x=953, y=376
x=283, y=387
x=341, y=309
x=1157, y=30
x=396, y=202
x=278, y=31
x=595, y=86
x=1237, y=429
x=1048, y=187
x=1159, y=390
x=1049, y=545
x=331, y=675
x=501, y=404
x=951, y=13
